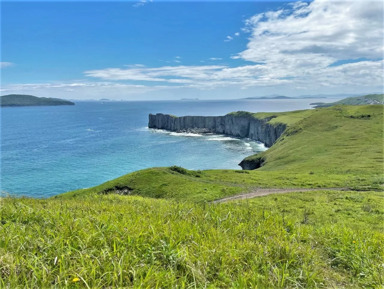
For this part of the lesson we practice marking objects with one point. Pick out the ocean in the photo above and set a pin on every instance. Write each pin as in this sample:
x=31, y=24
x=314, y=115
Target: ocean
x=54, y=149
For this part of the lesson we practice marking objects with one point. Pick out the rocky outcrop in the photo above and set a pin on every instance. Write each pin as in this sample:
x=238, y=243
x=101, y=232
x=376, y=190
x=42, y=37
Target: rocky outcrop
x=241, y=125
x=252, y=162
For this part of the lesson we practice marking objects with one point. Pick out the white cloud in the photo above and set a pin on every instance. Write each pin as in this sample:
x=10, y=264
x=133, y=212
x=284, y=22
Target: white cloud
x=230, y=38
x=170, y=74
x=320, y=33
x=312, y=75
x=141, y=3
x=122, y=74
x=60, y=85
x=202, y=77
x=363, y=73
x=314, y=44
x=215, y=58
x=6, y=64
x=177, y=59
x=83, y=90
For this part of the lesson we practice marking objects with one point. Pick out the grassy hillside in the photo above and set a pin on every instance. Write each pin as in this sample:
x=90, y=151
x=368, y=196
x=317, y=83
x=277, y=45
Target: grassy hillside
x=157, y=228
x=299, y=240
x=30, y=100
x=356, y=100
x=336, y=140
x=211, y=185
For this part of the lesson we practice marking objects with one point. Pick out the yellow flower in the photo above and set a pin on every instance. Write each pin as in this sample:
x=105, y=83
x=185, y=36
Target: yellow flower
x=76, y=279
x=353, y=242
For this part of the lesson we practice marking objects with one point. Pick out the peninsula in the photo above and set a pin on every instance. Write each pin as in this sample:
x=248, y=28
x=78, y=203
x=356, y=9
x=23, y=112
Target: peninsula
x=30, y=100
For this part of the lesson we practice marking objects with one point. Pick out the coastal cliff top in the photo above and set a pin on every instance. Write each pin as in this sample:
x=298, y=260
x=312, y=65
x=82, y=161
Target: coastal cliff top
x=288, y=117
x=291, y=117
x=357, y=100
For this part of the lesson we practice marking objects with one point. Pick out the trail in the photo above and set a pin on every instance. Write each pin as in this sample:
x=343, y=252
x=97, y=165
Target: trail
x=265, y=192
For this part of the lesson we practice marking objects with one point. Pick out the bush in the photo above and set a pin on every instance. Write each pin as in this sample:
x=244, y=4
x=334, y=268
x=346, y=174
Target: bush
x=179, y=170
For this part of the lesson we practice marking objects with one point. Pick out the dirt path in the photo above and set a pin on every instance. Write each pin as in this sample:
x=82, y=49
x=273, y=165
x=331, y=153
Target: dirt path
x=264, y=192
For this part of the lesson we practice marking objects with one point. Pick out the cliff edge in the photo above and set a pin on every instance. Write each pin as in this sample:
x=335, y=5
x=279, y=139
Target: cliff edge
x=238, y=124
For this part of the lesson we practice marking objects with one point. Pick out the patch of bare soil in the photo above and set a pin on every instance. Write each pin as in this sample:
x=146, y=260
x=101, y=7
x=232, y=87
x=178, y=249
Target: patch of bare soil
x=264, y=192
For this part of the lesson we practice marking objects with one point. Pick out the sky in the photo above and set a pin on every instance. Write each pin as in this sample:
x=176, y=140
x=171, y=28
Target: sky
x=163, y=50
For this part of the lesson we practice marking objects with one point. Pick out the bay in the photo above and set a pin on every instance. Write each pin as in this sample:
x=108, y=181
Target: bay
x=50, y=150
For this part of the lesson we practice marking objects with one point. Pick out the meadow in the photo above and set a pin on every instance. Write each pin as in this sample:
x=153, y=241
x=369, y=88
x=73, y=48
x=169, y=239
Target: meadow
x=300, y=240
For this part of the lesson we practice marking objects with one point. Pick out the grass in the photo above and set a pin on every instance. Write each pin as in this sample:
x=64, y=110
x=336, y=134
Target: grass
x=357, y=100
x=336, y=140
x=300, y=240
x=210, y=185
x=157, y=228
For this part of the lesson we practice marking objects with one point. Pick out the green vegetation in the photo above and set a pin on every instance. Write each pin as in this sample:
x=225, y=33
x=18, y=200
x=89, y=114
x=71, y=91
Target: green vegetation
x=242, y=114
x=157, y=228
x=299, y=240
x=357, y=100
x=209, y=185
x=335, y=140
x=30, y=100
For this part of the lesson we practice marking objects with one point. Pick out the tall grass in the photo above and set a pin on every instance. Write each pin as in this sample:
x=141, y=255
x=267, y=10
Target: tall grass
x=302, y=240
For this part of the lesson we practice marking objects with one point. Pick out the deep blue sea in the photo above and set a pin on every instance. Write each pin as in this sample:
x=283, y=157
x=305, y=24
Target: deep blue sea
x=50, y=150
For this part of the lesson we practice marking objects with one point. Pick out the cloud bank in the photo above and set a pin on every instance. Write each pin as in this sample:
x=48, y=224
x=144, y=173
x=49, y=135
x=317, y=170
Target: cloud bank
x=310, y=38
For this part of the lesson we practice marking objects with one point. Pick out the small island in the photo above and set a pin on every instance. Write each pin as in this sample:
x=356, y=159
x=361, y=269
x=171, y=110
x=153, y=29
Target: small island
x=271, y=97
x=30, y=100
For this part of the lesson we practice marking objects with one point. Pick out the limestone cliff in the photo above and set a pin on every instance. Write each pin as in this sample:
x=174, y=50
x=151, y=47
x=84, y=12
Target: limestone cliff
x=242, y=125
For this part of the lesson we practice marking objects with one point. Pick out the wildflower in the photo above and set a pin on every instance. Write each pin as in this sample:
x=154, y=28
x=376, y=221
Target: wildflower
x=75, y=279
x=353, y=242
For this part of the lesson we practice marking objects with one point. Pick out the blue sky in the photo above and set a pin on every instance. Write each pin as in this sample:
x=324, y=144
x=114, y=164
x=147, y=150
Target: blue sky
x=169, y=50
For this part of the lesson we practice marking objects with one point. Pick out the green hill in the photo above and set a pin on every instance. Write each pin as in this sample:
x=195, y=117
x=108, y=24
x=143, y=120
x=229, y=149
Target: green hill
x=339, y=139
x=357, y=100
x=157, y=228
x=30, y=100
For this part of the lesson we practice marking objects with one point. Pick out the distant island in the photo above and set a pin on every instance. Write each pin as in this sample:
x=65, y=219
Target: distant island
x=271, y=97
x=30, y=100
x=276, y=96
x=356, y=100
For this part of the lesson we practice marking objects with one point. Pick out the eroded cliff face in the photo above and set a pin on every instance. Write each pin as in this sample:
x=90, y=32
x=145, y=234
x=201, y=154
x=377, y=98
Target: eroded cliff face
x=232, y=125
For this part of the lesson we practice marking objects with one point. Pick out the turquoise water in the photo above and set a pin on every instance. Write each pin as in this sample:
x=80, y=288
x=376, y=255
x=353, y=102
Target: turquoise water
x=50, y=150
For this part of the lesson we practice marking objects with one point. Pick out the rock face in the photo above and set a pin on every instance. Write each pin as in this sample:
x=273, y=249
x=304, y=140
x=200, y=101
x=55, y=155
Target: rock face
x=252, y=163
x=232, y=125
